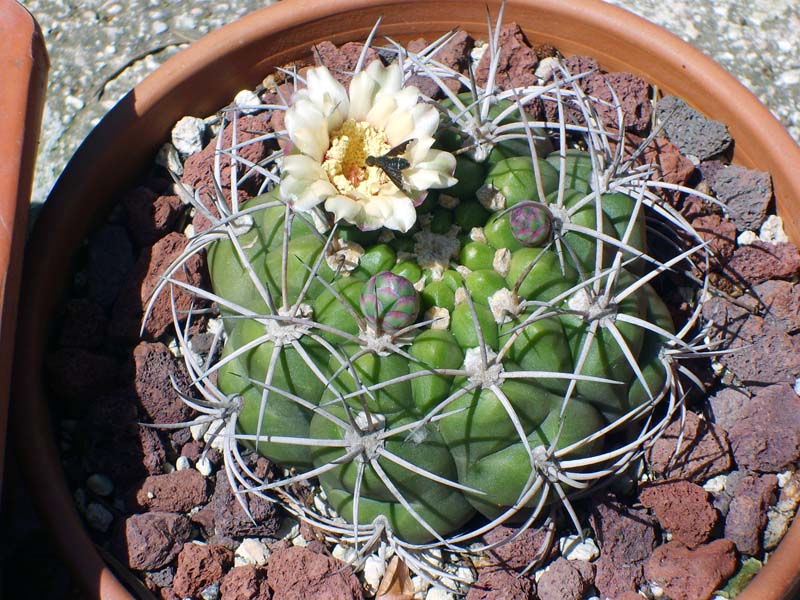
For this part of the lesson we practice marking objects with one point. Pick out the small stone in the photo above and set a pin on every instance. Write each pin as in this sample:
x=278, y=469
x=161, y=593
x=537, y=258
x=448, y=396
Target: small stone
x=182, y=464
x=772, y=231
x=766, y=438
x=747, y=238
x=760, y=261
x=692, y=132
x=152, y=540
x=781, y=515
x=247, y=101
x=500, y=584
x=231, y=520
x=781, y=300
x=746, y=193
x=716, y=485
x=149, y=216
x=204, y=466
x=565, y=580
x=188, y=135
x=626, y=537
x=726, y=405
x=455, y=54
x=211, y=592
x=252, y=552
x=98, y=517
x=169, y=158
x=528, y=547
x=720, y=235
x=437, y=593
x=747, y=514
x=342, y=60
x=110, y=259
x=245, y=583
x=704, y=450
x=686, y=574
x=374, y=570
x=155, y=370
x=296, y=573
x=179, y=491
x=200, y=566
x=683, y=509
x=516, y=66
x=100, y=484
x=573, y=548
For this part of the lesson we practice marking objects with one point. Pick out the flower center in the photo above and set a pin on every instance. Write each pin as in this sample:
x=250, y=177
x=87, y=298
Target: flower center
x=345, y=160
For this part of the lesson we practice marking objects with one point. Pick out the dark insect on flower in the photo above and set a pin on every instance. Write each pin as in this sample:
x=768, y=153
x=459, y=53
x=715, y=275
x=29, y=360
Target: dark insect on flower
x=392, y=164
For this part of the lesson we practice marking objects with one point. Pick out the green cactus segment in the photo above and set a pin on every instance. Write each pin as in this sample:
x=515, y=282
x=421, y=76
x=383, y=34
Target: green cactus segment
x=507, y=320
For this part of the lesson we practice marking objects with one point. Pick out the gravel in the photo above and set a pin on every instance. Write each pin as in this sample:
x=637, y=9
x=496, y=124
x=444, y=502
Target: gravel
x=100, y=49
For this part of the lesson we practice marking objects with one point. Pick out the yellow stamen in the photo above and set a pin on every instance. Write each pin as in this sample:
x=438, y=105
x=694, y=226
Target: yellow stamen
x=345, y=160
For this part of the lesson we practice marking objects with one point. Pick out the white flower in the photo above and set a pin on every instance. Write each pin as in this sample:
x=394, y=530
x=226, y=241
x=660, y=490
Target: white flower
x=332, y=133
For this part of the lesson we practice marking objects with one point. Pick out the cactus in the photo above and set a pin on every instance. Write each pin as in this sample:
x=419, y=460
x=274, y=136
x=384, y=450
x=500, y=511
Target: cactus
x=498, y=356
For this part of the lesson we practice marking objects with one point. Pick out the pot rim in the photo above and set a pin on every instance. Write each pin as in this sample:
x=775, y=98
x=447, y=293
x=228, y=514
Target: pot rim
x=287, y=30
x=23, y=69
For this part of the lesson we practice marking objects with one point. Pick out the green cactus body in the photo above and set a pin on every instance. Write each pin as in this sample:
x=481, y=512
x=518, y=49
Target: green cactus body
x=423, y=370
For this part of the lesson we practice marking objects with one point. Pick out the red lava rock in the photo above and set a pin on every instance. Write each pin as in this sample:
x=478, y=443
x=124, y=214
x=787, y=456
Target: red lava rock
x=179, y=491
x=720, y=234
x=760, y=353
x=673, y=166
x=682, y=508
x=501, y=584
x=342, y=61
x=84, y=325
x=128, y=311
x=566, y=580
x=692, y=574
x=198, y=170
x=576, y=65
x=689, y=130
x=150, y=217
x=526, y=548
x=110, y=259
x=152, y=540
x=192, y=450
x=168, y=593
x=747, y=513
x=704, y=451
x=626, y=537
x=781, y=300
x=245, y=583
x=454, y=54
x=155, y=580
x=766, y=437
x=517, y=64
x=761, y=261
x=117, y=445
x=81, y=374
x=629, y=596
x=296, y=573
x=632, y=91
x=746, y=192
x=200, y=566
x=727, y=406
x=155, y=368
x=230, y=519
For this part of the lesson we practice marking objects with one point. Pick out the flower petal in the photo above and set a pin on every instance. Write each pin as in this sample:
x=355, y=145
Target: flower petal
x=307, y=128
x=328, y=95
x=344, y=208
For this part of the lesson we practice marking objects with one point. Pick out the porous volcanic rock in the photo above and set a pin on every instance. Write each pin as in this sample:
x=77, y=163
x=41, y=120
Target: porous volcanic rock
x=761, y=261
x=682, y=508
x=518, y=553
x=454, y=54
x=517, y=61
x=200, y=566
x=501, y=584
x=245, y=583
x=747, y=193
x=781, y=300
x=565, y=580
x=692, y=132
x=341, y=61
x=687, y=574
x=230, y=519
x=179, y=491
x=155, y=369
x=152, y=540
x=297, y=573
x=747, y=514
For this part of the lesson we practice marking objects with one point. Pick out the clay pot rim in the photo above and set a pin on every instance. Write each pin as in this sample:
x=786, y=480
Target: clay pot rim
x=286, y=30
x=23, y=71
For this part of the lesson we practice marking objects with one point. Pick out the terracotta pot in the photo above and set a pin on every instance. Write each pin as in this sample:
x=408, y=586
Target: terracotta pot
x=238, y=56
x=23, y=71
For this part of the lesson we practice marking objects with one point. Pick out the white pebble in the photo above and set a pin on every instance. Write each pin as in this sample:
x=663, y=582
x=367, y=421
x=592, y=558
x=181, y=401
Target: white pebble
x=344, y=553
x=98, y=517
x=747, y=238
x=183, y=463
x=783, y=478
x=168, y=158
x=420, y=587
x=797, y=386
x=716, y=485
x=299, y=541
x=100, y=484
x=572, y=548
x=546, y=66
x=656, y=591
x=169, y=468
x=204, y=466
x=159, y=27
x=188, y=135
x=252, y=552
x=437, y=593
x=374, y=569
x=198, y=431
x=247, y=101
x=772, y=231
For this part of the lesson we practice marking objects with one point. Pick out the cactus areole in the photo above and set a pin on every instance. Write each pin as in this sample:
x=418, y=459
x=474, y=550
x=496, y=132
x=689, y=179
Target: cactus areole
x=439, y=314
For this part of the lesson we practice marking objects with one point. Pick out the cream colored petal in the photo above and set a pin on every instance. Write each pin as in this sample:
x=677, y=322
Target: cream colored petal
x=307, y=128
x=314, y=194
x=381, y=111
x=399, y=127
x=393, y=212
x=301, y=166
x=436, y=171
x=389, y=78
x=329, y=96
x=344, y=208
x=426, y=120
